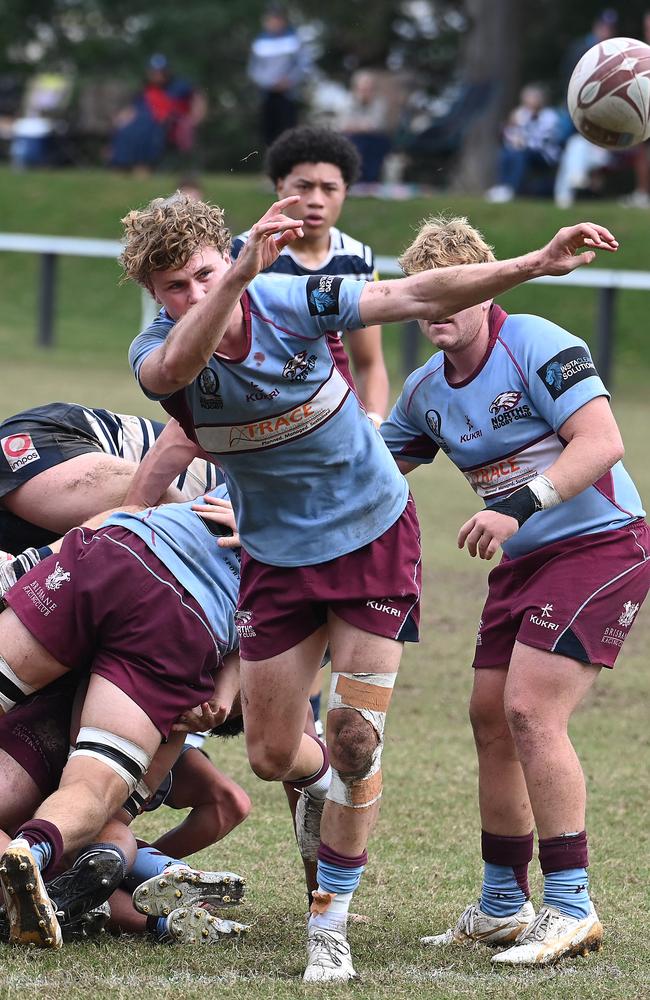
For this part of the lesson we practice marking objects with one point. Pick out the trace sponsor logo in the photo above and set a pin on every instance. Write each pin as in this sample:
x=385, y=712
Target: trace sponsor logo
x=495, y=474
x=256, y=395
x=243, y=626
x=323, y=294
x=299, y=366
x=547, y=611
x=434, y=423
x=385, y=608
x=57, y=577
x=19, y=450
x=629, y=611
x=566, y=369
x=471, y=434
x=275, y=429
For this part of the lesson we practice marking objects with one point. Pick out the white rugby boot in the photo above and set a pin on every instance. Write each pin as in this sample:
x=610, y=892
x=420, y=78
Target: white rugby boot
x=309, y=812
x=31, y=913
x=179, y=885
x=328, y=957
x=552, y=936
x=475, y=926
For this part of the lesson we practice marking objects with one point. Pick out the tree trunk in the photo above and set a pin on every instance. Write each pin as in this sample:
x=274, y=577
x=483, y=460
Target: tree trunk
x=491, y=56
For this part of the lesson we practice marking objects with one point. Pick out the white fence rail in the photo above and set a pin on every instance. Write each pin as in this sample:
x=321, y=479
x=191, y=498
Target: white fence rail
x=50, y=248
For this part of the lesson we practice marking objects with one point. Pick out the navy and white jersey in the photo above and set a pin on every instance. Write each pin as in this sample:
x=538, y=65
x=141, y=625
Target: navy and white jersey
x=308, y=475
x=186, y=543
x=500, y=426
x=120, y=434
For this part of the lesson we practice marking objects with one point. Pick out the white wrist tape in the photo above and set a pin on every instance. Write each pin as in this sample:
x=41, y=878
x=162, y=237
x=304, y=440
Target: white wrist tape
x=545, y=492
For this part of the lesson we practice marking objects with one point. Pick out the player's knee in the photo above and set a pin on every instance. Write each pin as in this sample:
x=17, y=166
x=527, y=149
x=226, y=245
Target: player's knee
x=524, y=721
x=270, y=763
x=352, y=741
x=488, y=722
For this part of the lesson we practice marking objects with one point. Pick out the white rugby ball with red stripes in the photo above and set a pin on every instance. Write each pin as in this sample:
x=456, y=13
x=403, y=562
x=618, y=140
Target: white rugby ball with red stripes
x=609, y=93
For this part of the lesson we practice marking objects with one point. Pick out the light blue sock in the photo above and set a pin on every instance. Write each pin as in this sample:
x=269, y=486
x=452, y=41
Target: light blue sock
x=501, y=895
x=42, y=853
x=568, y=892
x=148, y=863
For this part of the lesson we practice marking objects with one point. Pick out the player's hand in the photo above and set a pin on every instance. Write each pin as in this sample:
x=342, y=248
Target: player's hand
x=268, y=238
x=195, y=720
x=220, y=511
x=485, y=532
x=566, y=250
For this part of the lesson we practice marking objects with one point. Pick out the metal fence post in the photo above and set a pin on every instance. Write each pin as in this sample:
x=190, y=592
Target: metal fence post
x=410, y=343
x=605, y=333
x=46, y=299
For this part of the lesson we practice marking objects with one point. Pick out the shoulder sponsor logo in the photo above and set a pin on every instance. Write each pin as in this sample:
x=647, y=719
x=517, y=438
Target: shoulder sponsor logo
x=505, y=409
x=566, y=369
x=19, y=450
x=543, y=619
x=299, y=366
x=434, y=423
x=278, y=429
x=257, y=395
x=57, y=577
x=323, y=294
x=472, y=433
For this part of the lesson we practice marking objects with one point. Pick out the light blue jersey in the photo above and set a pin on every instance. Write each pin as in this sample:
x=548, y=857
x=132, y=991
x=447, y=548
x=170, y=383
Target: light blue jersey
x=308, y=475
x=500, y=426
x=186, y=543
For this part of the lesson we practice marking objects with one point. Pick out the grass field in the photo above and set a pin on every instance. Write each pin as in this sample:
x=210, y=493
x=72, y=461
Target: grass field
x=425, y=863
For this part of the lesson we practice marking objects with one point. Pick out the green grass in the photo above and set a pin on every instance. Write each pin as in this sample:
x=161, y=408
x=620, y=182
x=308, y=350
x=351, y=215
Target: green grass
x=424, y=865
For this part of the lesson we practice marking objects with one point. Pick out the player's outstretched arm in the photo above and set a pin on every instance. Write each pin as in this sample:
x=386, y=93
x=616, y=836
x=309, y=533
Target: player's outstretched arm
x=197, y=335
x=438, y=293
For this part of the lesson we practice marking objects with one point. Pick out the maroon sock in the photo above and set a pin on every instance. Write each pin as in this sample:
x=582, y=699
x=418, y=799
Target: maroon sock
x=510, y=852
x=41, y=831
x=317, y=775
x=556, y=854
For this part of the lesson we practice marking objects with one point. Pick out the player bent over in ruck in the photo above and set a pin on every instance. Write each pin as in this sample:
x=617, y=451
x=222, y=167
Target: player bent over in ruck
x=329, y=533
x=517, y=405
x=147, y=601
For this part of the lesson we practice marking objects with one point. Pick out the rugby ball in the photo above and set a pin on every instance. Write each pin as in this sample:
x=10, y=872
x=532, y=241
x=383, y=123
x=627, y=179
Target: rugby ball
x=609, y=93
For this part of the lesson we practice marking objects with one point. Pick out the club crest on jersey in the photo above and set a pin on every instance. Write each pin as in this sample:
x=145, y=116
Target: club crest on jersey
x=434, y=423
x=566, y=369
x=299, y=366
x=323, y=294
x=629, y=611
x=208, y=382
x=57, y=577
x=19, y=450
x=506, y=409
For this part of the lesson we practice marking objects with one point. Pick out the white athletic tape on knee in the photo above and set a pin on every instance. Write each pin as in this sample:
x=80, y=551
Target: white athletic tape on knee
x=369, y=695
x=12, y=689
x=123, y=756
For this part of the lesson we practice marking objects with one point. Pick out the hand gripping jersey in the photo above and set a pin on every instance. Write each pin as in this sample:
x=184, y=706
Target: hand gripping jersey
x=309, y=477
x=500, y=426
x=187, y=545
x=120, y=434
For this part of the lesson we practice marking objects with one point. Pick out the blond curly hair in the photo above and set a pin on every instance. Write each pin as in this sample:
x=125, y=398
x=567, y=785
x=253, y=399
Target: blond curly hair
x=167, y=232
x=443, y=241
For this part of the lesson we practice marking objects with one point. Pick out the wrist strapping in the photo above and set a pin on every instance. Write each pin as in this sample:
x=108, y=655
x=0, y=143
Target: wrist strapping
x=539, y=494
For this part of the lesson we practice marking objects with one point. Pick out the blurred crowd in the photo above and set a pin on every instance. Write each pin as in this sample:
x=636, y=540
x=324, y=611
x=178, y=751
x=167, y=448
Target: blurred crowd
x=407, y=139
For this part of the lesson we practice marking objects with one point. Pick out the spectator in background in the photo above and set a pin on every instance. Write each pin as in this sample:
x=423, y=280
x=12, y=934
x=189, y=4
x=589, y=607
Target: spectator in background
x=162, y=117
x=35, y=131
x=530, y=149
x=604, y=26
x=365, y=124
x=278, y=65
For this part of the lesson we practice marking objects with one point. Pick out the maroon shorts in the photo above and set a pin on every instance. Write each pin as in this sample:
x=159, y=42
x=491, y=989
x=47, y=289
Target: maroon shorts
x=107, y=604
x=577, y=597
x=376, y=588
x=36, y=733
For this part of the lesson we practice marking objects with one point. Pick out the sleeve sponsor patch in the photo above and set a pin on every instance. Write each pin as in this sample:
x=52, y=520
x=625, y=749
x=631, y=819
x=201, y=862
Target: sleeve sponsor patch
x=323, y=294
x=566, y=369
